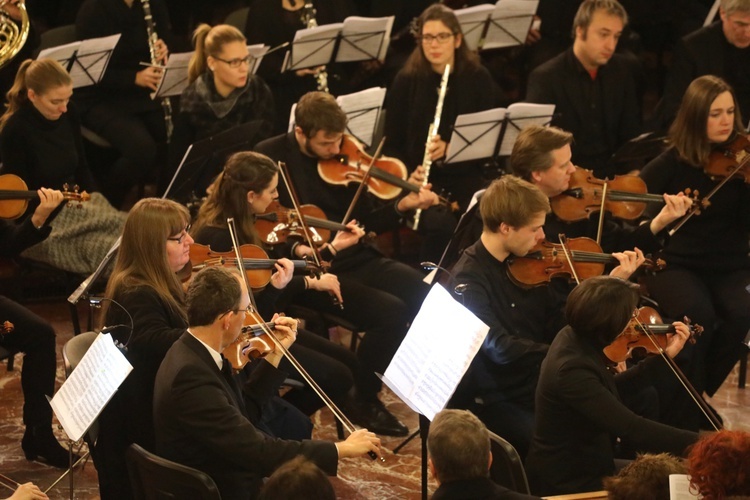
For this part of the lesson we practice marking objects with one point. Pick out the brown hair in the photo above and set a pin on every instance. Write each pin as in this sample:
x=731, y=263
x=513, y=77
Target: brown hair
x=719, y=464
x=210, y=41
x=688, y=131
x=319, y=111
x=142, y=257
x=463, y=58
x=600, y=307
x=243, y=172
x=645, y=477
x=212, y=292
x=532, y=151
x=459, y=446
x=40, y=76
x=588, y=8
x=512, y=201
x=298, y=479
x=732, y=6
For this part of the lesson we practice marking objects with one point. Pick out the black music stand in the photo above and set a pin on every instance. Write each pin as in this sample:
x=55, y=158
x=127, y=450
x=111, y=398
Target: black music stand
x=639, y=150
x=205, y=159
x=86, y=60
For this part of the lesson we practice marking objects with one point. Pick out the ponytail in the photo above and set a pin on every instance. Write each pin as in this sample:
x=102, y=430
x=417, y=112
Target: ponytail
x=17, y=94
x=198, y=62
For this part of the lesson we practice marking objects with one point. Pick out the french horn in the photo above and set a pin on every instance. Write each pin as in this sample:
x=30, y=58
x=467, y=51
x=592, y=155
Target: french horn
x=12, y=37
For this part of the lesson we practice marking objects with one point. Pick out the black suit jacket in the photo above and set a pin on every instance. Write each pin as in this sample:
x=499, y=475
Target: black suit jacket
x=201, y=423
x=562, y=81
x=480, y=488
x=579, y=415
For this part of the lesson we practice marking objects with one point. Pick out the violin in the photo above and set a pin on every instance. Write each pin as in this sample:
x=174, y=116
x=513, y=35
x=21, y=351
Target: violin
x=252, y=343
x=6, y=327
x=634, y=335
x=547, y=260
x=258, y=267
x=15, y=196
x=386, y=181
x=626, y=197
x=278, y=223
x=732, y=159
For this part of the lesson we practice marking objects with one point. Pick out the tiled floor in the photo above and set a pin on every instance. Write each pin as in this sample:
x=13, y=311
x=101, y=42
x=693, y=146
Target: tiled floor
x=398, y=478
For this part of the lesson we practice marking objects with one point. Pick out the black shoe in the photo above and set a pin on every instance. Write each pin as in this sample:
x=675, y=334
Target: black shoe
x=374, y=416
x=39, y=443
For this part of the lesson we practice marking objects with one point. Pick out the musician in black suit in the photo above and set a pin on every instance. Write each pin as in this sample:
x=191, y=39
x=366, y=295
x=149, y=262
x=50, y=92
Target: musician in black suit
x=721, y=49
x=199, y=413
x=592, y=88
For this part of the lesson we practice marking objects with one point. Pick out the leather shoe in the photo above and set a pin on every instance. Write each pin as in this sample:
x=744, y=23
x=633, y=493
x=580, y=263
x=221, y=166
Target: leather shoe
x=39, y=443
x=374, y=416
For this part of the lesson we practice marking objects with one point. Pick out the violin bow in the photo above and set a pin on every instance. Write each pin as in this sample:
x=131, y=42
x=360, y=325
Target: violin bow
x=705, y=200
x=363, y=183
x=296, y=205
x=600, y=227
x=255, y=314
x=694, y=395
x=568, y=257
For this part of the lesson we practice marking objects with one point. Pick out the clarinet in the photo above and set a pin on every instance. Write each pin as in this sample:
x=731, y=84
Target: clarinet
x=308, y=19
x=166, y=104
x=433, y=131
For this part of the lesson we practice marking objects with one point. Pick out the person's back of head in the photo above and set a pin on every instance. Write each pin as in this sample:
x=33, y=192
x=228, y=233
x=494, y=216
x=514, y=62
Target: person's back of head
x=719, y=464
x=459, y=446
x=646, y=477
x=298, y=479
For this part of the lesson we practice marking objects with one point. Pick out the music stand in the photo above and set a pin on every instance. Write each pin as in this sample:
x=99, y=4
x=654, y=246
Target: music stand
x=85, y=60
x=505, y=24
x=640, y=149
x=205, y=159
x=174, y=78
x=363, y=112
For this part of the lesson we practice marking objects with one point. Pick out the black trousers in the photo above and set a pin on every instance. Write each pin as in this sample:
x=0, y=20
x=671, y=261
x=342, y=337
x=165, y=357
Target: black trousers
x=381, y=296
x=718, y=301
x=36, y=338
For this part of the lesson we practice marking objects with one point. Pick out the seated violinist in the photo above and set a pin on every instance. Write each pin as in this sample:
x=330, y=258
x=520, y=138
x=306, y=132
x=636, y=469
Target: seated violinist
x=246, y=188
x=380, y=295
x=579, y=412
x=199, y=414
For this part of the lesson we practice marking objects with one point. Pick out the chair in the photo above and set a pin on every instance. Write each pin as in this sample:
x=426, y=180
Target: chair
x=743, y=361
x=156, y=478
x=238, y=18
x=57, y=36
x=507, y=468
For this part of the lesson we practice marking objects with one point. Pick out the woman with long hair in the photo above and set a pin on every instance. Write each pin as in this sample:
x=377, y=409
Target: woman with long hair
x=246, y=188
x=40, y=141
x=223, y=92
x=708, y=268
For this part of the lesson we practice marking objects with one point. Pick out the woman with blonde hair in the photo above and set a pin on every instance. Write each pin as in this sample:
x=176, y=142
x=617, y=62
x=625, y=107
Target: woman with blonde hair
x=40, y=141
x=223, y=92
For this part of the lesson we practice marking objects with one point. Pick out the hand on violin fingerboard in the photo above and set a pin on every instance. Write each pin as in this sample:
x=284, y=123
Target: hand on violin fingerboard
x=283, y=275
x=325, y=283
x=675, y=206
x=49, y=199
x=678, y=339
x=417, y=177
x=423, y=200
x=630, y=260
x=346, y=239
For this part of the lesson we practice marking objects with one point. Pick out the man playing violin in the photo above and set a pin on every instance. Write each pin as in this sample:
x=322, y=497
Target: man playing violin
x=380, y=295
x=199, y=413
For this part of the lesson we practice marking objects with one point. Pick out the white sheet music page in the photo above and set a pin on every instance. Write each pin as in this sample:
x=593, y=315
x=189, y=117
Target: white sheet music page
x=91, y=385
x=520, y=116
x=93, y=55
x=475, y=136
x=515, y=17
x=257, y=52
x=473, y=21
x=679, y=488
x=313, y=47
x=175, y=78
x=435, y=354
x=365, y=38
x=363, y=109
x=61, y=53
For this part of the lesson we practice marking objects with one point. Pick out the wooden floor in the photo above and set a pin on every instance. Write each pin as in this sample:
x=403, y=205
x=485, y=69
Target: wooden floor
x=398, y=478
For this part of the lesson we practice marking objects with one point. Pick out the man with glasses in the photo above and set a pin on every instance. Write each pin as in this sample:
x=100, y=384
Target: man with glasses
x=721, y=49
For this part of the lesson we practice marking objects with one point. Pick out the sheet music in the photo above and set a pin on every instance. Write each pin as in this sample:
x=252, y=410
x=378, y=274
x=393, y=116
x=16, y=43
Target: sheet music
x=475, y=136
x=91, y=385
x=62, y=53
x=313, y=47
x=363, y=109
x=473, y=20
x=514, y=19
x=175, y=78
x=679, y=488
x=364, y=38
x=520, y=116
x=435, y=354
x=257, y=52
x=92, y=60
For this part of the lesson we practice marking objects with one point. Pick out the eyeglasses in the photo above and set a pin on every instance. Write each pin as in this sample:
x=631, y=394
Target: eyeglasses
x=180, y=238
x=248, y=310
x=440, y=37
x=235, y=63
